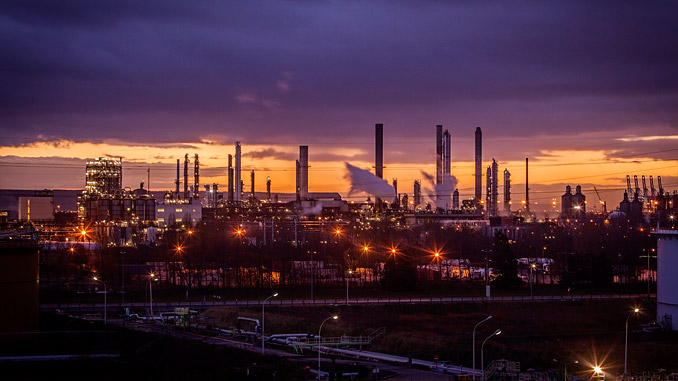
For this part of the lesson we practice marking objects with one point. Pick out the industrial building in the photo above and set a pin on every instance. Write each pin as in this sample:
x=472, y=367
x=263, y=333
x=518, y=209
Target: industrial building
x=573, y=205
x=104, y=199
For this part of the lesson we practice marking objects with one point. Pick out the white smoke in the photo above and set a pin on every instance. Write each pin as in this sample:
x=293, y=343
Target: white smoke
x=440, y=195
x=364, y=181
x=314, y=210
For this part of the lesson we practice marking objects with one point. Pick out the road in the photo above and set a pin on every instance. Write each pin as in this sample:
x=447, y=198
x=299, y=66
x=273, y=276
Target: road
x=170, y=306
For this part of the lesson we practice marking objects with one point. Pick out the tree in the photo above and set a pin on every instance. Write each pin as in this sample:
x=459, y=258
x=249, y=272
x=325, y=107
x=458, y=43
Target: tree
x=504, y=263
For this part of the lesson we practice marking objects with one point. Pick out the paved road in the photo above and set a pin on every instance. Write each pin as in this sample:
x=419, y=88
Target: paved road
x=169, y=306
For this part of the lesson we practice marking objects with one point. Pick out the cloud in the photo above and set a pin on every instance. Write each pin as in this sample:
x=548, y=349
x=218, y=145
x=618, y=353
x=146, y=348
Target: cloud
x=271, y=153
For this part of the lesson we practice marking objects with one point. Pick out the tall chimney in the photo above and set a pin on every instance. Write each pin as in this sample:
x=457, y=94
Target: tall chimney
x=447, y=153
x=186, y=177
x=379, y=150
x=208, y=196
x=507, y=192
x=439, y=155
x=298, y=181
x=455, y=199
x=303, y=166
x=196, y=175
x=252, y=184
x=479, y=164
x=268, y=189
x=176, y=182
x=237, y=197
x=230, y=178
x=215, y=195
x=527, y=186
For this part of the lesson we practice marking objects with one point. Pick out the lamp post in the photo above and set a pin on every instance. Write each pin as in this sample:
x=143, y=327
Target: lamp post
x=565, y=364
x=532, y=266
x=150, y=287
x=335, y=317
x=105, y=301
x=626, y=339
x=350, y=272
x=482, y=347
x=262, y=320
x=474, y=343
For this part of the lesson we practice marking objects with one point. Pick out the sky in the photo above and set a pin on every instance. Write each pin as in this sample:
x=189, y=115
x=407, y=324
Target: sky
x=586, y=90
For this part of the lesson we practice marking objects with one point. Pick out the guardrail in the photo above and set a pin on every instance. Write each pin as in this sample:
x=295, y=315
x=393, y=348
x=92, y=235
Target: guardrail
x=201, y=305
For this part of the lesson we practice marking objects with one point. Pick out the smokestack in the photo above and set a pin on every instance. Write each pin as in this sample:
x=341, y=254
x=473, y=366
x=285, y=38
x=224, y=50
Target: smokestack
x=439, y=155
x=507, y=192
x=215, y=196
x=252, y=184
x=230, y=178
x=186, y=177
x=495, y=188
x=268, y=189
x=447, y=153
x=455, y=199
x=395, y=188
x=298, y=183
x=303, y=167
x=379, y=150
x=479, y=164
x=176, y=192
x=237, y=197
x=208, y=196
x=196, y=175
x=527, y=186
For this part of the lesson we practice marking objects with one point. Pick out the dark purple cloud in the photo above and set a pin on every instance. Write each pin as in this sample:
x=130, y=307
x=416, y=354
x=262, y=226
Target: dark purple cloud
x=289, y=71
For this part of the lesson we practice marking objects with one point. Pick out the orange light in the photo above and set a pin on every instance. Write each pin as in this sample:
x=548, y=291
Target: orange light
x=83, y=232
x=436, y=254
x=190, y=232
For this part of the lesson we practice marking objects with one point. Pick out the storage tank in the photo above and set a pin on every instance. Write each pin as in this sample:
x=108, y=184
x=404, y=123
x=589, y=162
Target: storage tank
x=667, y=282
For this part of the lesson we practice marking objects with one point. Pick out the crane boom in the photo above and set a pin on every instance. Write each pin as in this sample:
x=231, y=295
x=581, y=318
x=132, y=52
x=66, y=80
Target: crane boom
x=602, y=203
x=628, y=186
x=644, y=187
x=653, y=192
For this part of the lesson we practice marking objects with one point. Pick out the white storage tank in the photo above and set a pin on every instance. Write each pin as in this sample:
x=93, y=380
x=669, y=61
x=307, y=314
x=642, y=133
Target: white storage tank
x=667, y=281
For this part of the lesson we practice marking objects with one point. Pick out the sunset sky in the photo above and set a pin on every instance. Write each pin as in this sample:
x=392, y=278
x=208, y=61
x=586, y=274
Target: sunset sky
x=587, y=90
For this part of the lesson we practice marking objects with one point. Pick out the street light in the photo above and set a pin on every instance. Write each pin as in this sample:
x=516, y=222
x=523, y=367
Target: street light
x=565, y=364
x=474, y=343
x=532, y=267
x=482, y=347
x=105, y=301
x=335, y=317
x=350, y=272
x=626, y=340
x=150, y=286
x=262, y=320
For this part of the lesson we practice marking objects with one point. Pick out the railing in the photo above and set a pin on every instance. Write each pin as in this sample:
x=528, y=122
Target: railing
x=341, y=340
x=169, y=306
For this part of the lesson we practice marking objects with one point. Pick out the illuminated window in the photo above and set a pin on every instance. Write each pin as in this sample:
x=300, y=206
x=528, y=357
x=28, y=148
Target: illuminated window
x=161, y=210
x=178, y=210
